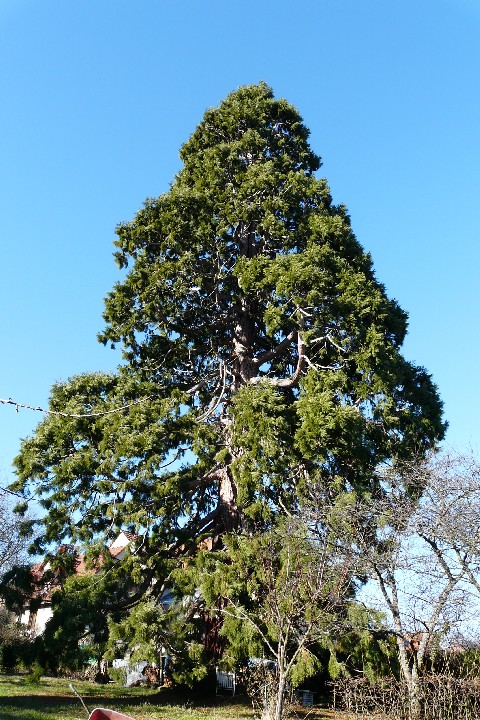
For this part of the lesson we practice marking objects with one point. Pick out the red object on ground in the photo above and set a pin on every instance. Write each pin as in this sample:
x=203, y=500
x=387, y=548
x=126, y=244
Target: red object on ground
x=103, y=714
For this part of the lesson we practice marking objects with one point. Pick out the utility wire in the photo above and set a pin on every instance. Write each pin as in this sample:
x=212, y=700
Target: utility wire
x=5, y=490
x=18, y=405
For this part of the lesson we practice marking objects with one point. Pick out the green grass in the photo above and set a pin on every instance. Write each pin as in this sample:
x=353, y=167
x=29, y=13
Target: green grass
x=52, y=699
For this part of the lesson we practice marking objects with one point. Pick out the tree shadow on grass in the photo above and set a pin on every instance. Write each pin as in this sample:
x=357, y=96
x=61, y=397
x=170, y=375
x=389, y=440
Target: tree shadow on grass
x=169, y=697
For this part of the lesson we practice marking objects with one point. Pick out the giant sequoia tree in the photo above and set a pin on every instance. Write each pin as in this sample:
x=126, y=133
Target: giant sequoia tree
x=261, y=356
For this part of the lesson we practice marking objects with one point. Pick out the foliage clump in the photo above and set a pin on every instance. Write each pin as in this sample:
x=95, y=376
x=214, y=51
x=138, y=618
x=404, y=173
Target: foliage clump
x=261, y=361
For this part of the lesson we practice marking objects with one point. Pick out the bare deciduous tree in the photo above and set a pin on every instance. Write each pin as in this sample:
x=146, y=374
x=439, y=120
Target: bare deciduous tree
x=13, y=543
x=423, y=555
x=298, y=579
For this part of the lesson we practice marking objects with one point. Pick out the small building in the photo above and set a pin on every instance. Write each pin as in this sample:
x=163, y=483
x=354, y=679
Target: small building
x=38, y=609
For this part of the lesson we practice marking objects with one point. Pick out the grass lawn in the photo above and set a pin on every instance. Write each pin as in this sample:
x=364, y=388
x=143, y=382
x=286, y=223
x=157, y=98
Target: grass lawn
x=52, y=699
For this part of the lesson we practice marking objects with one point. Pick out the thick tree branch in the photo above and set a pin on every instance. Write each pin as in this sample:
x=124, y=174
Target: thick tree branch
x=130, y=600
x=277, y=351
x=292, y=381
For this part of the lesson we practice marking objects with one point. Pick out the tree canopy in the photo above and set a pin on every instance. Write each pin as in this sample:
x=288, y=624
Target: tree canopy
x=261, y=357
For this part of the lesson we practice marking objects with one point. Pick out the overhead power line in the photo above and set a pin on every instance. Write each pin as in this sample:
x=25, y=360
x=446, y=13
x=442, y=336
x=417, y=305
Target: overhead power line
x=18, y=405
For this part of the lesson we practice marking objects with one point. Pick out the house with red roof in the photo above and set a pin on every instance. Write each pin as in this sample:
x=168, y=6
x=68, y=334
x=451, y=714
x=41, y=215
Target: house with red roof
x=38, y=611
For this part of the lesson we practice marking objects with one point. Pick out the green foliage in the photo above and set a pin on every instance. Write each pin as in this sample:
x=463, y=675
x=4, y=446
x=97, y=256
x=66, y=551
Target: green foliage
x=149, y=630
x=281, y=593
x=17, y=586
x=78, y=629
x=34, y=676
x=14, y=641
x=306, y=665
x=142, y=631
x=243, y=253
x=261, y=356
x=369, y=647
x=335, y=668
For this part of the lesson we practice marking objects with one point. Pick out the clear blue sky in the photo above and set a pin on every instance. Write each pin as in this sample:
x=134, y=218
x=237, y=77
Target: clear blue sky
x=97, y=97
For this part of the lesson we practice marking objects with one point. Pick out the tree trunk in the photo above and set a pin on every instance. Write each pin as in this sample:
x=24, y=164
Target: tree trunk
x=227, y=500
x=414, y=695
x=412, y=680
x=280, y=700
x=244, y=333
